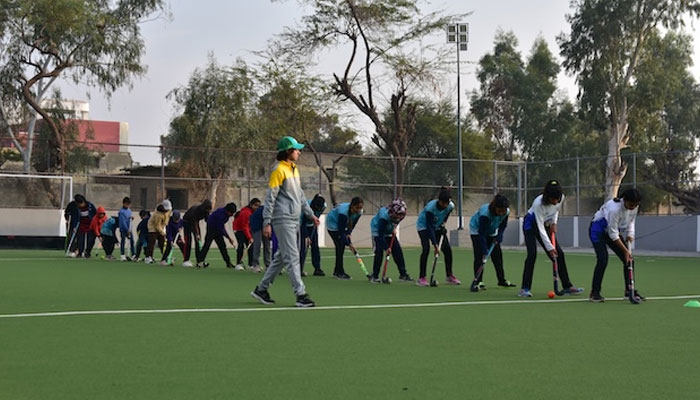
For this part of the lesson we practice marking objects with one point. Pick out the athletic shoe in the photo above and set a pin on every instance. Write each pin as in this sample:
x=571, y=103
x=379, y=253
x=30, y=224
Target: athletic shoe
x=122, y=258
x=164, y=263
x=73, y=255
x=187, y=264
x=524, y=293
x=229, y=265
x=109, y=257
x=452, y=280
x=481, y=286
x=374, y=280
x=305, y=301
x=573, y=291
x=405, y=278
x=262, y=296
x=637, y=295
x=148, y=260
x=133, y=258
x=239, y=267
x=506, y=284
x=342, y=276
x=257, y=269
x=596, y=298
x=202, y=264
x=303, y=273
x=319, y=272
x=422, y=282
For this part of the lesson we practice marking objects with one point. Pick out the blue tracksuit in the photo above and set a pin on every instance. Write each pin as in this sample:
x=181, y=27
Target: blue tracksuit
x=383, y=227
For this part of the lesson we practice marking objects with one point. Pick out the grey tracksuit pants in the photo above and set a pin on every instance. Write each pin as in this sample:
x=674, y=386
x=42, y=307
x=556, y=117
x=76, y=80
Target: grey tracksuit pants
x=258, y=241
x=286, y=256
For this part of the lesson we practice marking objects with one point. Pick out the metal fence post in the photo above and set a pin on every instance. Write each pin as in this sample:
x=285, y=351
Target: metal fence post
x=578, y=186
x=634, y=170
x=495, y=177
x=520, y=187
x=396, y=175
x=162, y=172
x=320, y=173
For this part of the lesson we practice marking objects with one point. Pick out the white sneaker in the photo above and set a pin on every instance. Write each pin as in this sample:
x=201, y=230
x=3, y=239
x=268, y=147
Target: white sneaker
x=239, y=267
x=123, y=257
x=187, y=264
x=257, y=269
x=73, y=255
x=148, y=260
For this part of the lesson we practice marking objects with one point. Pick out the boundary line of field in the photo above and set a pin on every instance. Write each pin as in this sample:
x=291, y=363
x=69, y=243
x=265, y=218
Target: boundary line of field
x=323, y=308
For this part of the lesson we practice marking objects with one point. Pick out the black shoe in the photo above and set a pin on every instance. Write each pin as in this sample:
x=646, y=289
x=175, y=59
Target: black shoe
x=406, y=278
x=596, y=298
x=637, y=295
x=342, y=276
x=262, y=296
x=506, y=284
x=229, y=265
x=202, y=264
x=305, y=301
x=319, y=272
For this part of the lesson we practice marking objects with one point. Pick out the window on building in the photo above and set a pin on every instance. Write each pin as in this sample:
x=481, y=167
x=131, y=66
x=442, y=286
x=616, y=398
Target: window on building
x=144, y=199
x=178, y=197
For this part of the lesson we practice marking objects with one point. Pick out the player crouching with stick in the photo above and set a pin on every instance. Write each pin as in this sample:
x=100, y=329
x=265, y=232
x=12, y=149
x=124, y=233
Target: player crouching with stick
x=615, y=216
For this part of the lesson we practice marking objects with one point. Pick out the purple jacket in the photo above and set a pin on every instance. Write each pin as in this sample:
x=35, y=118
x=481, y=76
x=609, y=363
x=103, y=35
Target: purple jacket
x=172, y=228
x=216, y=222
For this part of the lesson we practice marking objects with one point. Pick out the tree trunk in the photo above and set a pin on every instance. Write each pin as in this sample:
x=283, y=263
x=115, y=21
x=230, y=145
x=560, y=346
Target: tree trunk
x=213, y=188
x=616, y=168
x=27, y=153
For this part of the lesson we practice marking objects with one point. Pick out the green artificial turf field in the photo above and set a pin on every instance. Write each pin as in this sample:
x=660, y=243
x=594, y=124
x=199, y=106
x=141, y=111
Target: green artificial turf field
x=490, y=345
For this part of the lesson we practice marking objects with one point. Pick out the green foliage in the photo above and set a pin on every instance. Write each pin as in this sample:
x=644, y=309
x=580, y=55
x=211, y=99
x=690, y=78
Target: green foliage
x=214, y=110
x=78, y=157
x=97, y=43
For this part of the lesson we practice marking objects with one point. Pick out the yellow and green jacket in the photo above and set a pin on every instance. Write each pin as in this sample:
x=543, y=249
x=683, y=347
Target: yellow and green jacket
x=285, y=200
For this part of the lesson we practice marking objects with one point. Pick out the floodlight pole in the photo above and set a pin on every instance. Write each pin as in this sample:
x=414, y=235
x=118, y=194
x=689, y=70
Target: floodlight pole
x=458, y=33
x=460, y=173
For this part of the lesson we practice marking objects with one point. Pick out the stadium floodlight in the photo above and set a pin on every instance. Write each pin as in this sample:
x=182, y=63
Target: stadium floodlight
x=458, y=33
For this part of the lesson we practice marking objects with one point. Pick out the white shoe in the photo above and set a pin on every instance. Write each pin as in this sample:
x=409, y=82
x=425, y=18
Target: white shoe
x=73, y=255
x=239, y=267
x=164, y=263
x=257, y=269
x=123, y=257
x=148, y=260
x=187, y=264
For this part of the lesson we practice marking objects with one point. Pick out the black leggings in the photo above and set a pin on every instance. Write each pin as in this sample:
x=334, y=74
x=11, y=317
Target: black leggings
x=339, y=251
x=220, y=243
x=240, y=249
x=396, y=254
x=496, y=258
x=446, y=252
x=531, y=238
x=190, y=236
x=601, y=254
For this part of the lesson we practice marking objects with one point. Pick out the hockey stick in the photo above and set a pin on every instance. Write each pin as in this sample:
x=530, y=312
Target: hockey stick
x=475, y=283
x=433, y=282
x=385, y=279
x=555, y=268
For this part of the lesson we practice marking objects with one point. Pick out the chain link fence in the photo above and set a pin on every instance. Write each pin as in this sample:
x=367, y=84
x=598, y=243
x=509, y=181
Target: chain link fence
x=106, y=173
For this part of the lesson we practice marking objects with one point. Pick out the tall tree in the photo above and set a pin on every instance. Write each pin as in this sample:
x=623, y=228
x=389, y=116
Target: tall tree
x=667, y=123
x=94, y=42
x=603, y=49
x=214, y=112
x=512, y=104
x=294, y=104
x=383, y=49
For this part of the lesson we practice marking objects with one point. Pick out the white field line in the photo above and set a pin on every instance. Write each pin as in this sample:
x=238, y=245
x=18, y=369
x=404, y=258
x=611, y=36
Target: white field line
x=322, y=308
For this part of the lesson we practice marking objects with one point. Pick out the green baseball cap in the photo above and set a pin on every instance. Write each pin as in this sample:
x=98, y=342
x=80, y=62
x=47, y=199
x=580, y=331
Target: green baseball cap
x=287, y=143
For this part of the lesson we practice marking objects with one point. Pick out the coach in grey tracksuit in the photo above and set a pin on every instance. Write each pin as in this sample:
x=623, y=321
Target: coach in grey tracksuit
x=284, y=203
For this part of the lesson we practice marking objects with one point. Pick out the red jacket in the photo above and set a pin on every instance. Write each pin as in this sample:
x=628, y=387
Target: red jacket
x=97, y=221
x=242, y=222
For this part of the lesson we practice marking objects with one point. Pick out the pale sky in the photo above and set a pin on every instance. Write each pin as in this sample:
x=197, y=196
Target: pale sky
x=234, y=28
